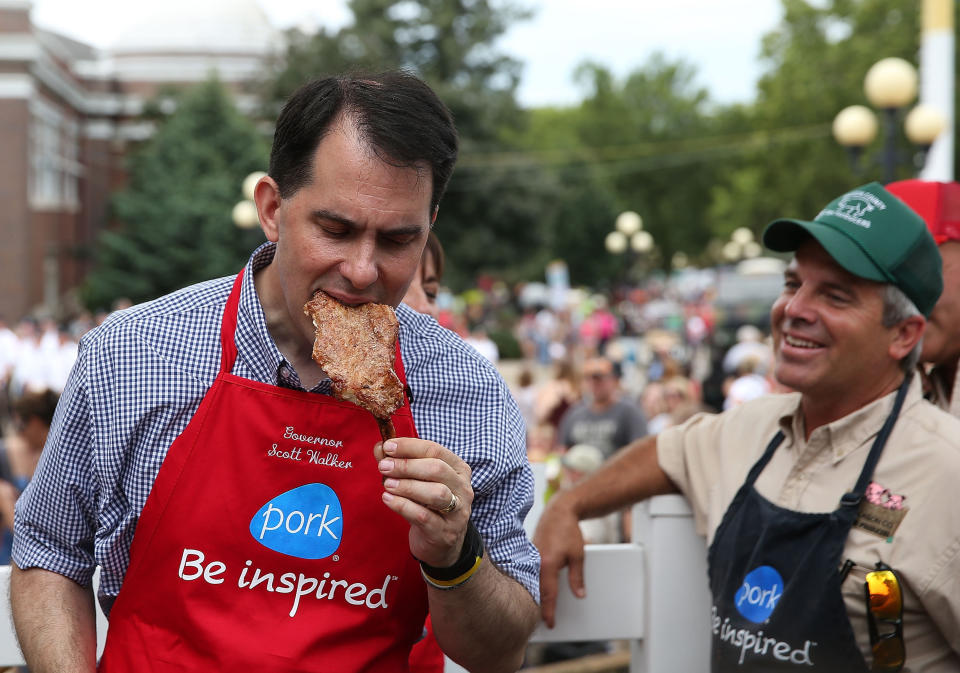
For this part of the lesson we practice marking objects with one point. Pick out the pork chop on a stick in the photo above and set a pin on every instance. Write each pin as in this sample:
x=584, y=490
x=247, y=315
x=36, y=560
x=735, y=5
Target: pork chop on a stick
x=356, y=347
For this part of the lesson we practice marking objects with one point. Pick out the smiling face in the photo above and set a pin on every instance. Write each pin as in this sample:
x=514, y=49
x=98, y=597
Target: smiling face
x=355, y=231
x=941, y=341
x=829, y=339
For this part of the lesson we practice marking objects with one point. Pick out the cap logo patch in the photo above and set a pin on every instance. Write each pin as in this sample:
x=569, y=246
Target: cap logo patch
x=854, y=206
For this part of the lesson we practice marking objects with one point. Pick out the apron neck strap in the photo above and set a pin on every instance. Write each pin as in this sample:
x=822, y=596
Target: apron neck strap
x=853, y=498
x=764, y=459
x=228, y=327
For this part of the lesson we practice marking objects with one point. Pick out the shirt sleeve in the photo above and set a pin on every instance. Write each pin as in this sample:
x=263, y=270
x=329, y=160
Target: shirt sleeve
x=55, y=517
x=503, y=485
x=688, y=453
x=460, y=402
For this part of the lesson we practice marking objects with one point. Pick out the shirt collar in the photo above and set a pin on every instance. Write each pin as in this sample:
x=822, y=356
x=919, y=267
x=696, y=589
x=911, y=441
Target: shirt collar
x=255, y=346
x=847, y=434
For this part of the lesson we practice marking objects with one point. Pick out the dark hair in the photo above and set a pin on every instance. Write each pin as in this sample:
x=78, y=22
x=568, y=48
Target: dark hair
x=41, y=405
x=435, y=250
x=396, y=113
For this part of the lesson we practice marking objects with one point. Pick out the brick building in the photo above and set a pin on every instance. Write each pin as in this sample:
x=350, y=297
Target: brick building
x=69, y=113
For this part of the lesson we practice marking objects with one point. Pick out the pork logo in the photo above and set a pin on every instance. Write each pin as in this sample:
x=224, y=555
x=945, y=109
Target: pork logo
x=759, y=594
x=306, y=522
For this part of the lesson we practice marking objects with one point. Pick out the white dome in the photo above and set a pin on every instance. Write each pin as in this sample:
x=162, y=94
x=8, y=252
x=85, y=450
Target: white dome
x=210, y=26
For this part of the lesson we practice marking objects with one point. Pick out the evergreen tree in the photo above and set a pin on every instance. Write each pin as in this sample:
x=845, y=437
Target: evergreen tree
x=173, y=223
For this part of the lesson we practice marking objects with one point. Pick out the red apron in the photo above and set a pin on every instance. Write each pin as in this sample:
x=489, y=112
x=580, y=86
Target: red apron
x=264, y=544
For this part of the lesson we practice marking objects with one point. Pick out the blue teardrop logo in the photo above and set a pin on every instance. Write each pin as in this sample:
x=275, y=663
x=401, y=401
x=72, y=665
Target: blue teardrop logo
x=759, y=594
x=306, y=522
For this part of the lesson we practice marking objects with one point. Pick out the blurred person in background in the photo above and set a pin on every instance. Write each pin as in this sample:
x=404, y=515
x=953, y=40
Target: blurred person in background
x=8, y=350
x=20, y=453
x=750, y=344
x=525, y=394
x=598, y=328
x=60, y=360
x=29, y=369
x=830, y=513
x=579, y=461
x=677, y=399
x=653, y=401
x=938, y=203
x=604, y=419
x=422, y=294
x=747, y=385
x=556, y=395
x=545, y=326
x=481, y=341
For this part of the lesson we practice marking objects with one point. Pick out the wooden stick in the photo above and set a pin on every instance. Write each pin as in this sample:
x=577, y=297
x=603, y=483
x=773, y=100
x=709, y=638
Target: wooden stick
x=387, y=430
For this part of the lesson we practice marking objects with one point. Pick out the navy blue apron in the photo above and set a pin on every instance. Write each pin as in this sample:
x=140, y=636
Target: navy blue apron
x=775, y=578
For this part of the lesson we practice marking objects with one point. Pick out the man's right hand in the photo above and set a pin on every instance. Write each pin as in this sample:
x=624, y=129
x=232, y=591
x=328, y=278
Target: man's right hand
x=560, y=542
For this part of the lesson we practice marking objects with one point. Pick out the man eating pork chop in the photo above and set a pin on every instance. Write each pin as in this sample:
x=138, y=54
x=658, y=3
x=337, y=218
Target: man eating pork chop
x=245, y=511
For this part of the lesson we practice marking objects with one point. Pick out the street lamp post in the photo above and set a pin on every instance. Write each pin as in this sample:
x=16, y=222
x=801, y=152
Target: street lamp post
x=629, y=236
x=245, y=214
x=890, y=85
x=741, y=245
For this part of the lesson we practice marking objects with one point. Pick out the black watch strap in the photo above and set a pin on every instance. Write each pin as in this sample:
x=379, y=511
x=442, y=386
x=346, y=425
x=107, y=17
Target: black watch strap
x=469, y=562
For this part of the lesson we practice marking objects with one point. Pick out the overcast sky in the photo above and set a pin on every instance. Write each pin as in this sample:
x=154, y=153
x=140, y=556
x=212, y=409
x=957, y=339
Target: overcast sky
x=720, y=37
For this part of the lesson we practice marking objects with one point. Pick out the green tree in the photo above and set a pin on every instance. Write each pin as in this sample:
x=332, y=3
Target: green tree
x=647, y=139
x=645, y=143
x=815, y=64
x=495, y=216
x=446, y=42
x=173, y=218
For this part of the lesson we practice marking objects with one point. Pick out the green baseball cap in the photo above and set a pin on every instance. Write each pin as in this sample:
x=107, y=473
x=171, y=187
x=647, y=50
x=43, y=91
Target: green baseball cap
x=872, y=234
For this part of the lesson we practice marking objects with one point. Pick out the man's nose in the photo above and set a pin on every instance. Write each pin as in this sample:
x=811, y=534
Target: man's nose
x=360, y=265
x=799, y=306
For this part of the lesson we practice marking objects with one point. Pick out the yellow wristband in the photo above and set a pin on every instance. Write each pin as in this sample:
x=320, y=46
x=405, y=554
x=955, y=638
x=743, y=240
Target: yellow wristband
x=456, y=581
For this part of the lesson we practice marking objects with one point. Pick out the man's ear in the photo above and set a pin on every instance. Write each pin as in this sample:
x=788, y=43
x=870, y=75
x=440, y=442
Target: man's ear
x=267, y=197
x=436, y=209
x=906, y=334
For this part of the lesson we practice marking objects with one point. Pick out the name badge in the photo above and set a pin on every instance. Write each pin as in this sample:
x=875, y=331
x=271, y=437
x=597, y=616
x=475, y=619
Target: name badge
x=879, y=520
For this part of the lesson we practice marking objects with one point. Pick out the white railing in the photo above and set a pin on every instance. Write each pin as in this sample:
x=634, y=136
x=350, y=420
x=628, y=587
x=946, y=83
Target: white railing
x=652, y=592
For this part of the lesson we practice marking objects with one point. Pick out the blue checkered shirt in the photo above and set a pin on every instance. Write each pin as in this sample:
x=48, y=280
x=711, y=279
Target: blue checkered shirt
x=140, y=377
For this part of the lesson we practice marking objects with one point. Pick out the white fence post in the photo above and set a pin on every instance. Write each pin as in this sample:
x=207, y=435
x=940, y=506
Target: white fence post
x=677, y=637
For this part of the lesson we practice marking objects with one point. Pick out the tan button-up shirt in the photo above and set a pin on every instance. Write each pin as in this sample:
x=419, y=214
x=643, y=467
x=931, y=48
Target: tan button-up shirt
x=709, y=456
